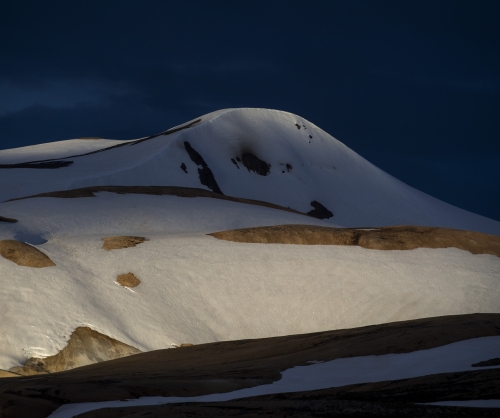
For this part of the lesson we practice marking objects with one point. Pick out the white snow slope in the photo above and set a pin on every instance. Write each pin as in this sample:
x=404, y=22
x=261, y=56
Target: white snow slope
x=196, y=288
x=322, y=169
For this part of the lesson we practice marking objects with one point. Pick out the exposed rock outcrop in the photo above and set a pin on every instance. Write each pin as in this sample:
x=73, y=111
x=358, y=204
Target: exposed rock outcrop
x=24, y=254
x=85, y=346
x=128, y=280
x=385, y=238
x=231, y=365
x=119, y=242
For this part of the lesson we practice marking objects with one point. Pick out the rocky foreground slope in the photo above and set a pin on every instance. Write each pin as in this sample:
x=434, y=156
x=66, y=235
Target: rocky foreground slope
x=225, y=367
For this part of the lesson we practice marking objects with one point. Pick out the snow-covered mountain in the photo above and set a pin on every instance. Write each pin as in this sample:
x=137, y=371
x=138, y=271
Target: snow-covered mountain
x=193, y=287
x=260, y=154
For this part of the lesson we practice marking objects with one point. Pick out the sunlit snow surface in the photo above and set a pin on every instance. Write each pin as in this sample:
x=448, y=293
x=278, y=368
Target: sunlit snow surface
x=198, y=289
x=195, y=288
x=450, y=358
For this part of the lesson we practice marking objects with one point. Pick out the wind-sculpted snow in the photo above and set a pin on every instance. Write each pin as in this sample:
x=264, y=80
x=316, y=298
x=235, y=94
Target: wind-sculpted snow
x=259, y=154
x=195, y=288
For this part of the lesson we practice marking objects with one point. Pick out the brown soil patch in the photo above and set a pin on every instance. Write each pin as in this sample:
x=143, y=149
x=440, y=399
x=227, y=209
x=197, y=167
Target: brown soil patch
x=11, y=220
x=128, y=280
x=231, y=365
x=119, y=242
x=384, y=238
x=24, y=254
x=156, y=191
x=85, y=346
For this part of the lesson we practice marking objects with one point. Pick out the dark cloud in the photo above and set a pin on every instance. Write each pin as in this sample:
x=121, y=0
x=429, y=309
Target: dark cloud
x=412, y=86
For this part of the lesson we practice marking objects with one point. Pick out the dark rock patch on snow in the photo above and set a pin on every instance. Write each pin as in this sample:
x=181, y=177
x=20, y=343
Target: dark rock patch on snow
x=52, y=164
x=297, y=125
x=183, y=168
x=319, y=211
x=288, y=167
x=10, y=220
x=488, y=363
x=255, y=164
x=194, y=155
x=206, y=176
x=207, y=179
x=235, y=163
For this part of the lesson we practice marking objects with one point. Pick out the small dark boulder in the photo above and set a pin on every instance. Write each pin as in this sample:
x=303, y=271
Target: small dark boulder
x=319, y=211
x=183, y=167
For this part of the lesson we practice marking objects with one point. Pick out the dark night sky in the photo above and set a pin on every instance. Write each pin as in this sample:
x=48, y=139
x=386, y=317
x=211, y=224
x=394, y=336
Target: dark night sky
x=413, y=86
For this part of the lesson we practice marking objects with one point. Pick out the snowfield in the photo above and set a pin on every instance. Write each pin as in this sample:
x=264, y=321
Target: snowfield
x=320, y=169
x=195, y=288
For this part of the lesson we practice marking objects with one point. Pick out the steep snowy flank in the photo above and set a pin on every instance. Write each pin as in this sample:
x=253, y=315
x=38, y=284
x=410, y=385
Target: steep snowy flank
x=259, y=154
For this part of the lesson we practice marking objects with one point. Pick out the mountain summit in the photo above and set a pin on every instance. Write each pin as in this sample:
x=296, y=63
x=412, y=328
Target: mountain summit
x=260, y=154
